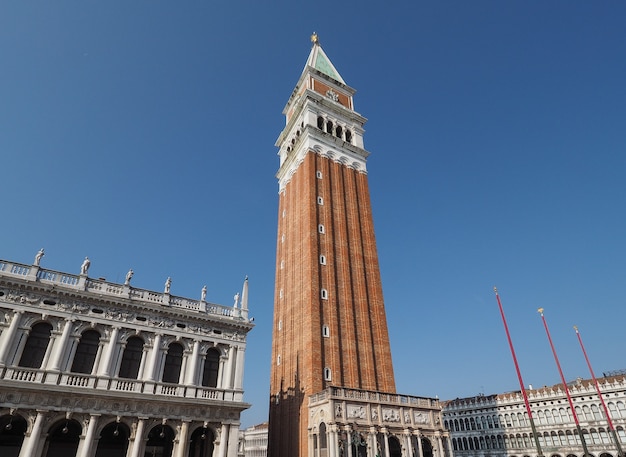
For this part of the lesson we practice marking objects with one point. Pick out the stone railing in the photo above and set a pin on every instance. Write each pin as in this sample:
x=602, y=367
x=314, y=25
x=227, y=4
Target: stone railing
x=339, y=393
x=86, y=383
x=102, y=287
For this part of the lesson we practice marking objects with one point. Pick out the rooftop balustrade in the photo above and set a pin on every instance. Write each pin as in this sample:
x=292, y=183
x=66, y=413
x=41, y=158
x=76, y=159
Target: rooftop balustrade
x=120, y=291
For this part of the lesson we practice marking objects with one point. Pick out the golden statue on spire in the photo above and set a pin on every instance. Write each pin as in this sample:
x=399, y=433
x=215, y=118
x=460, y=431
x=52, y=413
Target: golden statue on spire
x=315, y=39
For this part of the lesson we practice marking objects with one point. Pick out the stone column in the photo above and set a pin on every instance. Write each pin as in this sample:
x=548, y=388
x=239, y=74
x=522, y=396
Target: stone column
x=419, y=443
x=449, y=446
x=233, y=440
x=183, y=437
x=46, y=357
x=241, y=352
x=224, y=441
x=372, y=447
x=137, y=444
x=228, y=376
x=60, y=345
x=332, y=442
x=86, y=442
x=154, y=358
x=30, y=444
x=192, y=373
x=408, y=443
x=440, y=446
x=386, y=438
x=221, y=373
x=348, y=443
x=7, y=337
x=96, y=362
x=142, y=363
x=105, y=367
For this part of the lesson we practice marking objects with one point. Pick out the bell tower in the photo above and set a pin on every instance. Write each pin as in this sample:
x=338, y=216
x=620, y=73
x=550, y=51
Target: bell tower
x=329, y=328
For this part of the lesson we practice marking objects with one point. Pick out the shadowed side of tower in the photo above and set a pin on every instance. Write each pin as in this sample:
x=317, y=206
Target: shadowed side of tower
x=330, y=328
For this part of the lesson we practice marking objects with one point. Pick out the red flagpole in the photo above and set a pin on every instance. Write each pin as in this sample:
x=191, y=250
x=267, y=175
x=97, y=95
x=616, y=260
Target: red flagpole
x=620, y=452
x=519, y=376
x=569, y=398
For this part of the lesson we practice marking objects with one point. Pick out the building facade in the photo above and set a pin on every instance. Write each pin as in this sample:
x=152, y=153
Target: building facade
x=498, y=425
x=332, y=388
x=93, y=368
x=253, y=441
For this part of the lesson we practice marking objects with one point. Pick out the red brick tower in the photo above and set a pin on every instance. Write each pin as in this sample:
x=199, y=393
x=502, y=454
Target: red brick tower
x=330, y=327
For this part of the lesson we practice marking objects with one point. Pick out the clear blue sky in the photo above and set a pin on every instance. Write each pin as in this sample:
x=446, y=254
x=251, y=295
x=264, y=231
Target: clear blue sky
x=142, y=135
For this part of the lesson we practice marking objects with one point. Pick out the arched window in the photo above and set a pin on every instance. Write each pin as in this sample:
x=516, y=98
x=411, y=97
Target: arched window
x=320, y=201
x=202, y=442
x=86, y=352
x=323, y=440
x=12, y=430
x=327, y=374
x=597, y=415
x=36, y=345
x=320, y=123
x=321, y=229
x=325, y=331
x=542, y=417
x=324, y=294
x=322, y=259
x=63, y=438
x=329, y=127
x=604, y=436
x=622, y=434
x=113, y=440
x=338, y=131
x=160, y=441
x=173, y=363
x=348, y=136
x=211, y=368
x=131, y=359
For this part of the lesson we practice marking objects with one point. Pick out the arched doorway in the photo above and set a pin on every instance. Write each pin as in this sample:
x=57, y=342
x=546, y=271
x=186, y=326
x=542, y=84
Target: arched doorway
x=63, y=439
x=160, y=441
x=12, y=430
x=202, y=442
x=427, y=448
x=395, y=450
x=113, y=440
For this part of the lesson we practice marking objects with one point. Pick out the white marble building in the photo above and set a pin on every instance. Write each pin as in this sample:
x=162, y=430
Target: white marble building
x=93, y=368
x=498, y=425
x=253, y=441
